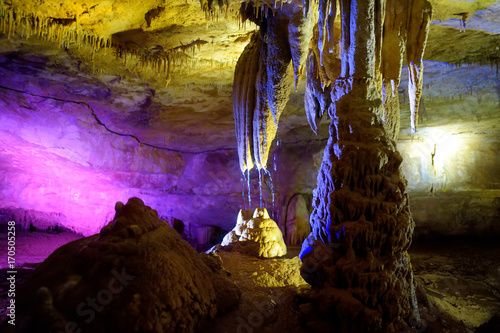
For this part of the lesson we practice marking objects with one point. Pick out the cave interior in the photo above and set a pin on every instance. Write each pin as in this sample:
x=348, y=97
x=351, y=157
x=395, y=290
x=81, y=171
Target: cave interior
x=250, y=166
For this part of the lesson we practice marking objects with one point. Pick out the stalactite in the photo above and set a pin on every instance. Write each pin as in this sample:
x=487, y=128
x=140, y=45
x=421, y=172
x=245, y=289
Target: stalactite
x=330, y=25
x=316, y=99
x=324, y=6
x=419, y=20
x=280, y=45
x=391, y=116
x=244, y=92
x=212, y=8
x=277, y=64
x=300, y=32
x=68, y=31
x=264, y=126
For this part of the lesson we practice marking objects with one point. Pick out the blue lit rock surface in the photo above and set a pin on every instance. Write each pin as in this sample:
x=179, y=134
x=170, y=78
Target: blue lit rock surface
x=356, y=255
x=137, y=275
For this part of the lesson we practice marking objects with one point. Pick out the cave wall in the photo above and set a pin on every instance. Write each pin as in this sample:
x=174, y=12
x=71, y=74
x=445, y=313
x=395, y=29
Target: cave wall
x=69, y=148
x=72, y=144
x=56, y=158
x=452, y=163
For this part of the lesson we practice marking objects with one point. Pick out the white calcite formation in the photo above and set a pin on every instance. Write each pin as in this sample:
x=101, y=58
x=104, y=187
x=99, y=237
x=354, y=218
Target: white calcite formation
x=256, y=235
x=137, y=275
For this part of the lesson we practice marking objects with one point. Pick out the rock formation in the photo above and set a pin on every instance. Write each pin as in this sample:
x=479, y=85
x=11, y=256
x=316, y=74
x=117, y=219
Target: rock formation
x=262, y=78
x=65, y=91
x=261, y=84
x=137, y=275
x=297, y=226
x=256, y=235
x=355, y=257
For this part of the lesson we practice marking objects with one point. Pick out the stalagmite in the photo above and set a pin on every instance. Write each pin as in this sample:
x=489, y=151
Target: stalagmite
x=256, y=235
x=144, y=262
x=355, y=257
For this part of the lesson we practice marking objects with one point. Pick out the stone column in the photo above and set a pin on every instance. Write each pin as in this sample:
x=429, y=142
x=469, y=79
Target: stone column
x=356, y=255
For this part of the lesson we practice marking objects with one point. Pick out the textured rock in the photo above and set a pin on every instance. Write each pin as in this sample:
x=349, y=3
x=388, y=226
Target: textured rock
x=56, y=158
x=356, y=255
x=316, y=95
x=262, y=79
x=452, y=166
x=255, y=235
x=137, y=275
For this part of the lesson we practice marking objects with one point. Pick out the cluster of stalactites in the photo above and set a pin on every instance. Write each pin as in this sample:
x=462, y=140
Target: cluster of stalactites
x=260, y=7
x=400, y=27
x=212, y=8
x=262, y=80
x=69, y=33
x=64, y=31
x=158, y=59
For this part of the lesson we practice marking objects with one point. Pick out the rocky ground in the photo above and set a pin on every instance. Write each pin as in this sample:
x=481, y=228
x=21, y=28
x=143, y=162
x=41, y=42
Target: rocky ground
x=461, y=279
x=459, y=285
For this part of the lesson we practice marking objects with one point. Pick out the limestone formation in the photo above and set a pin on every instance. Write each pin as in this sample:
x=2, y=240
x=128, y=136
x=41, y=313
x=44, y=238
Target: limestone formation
x=261, y=87
x=262, y=77
x=137, y=275
x=355, y=257
x=256, y=235
x=420, y=15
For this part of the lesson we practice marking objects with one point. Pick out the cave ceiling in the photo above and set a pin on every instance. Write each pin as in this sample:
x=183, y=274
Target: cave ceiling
x=162, y=71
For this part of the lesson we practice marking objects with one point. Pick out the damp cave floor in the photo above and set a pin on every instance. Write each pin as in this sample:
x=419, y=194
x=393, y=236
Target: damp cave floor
x=460, y=279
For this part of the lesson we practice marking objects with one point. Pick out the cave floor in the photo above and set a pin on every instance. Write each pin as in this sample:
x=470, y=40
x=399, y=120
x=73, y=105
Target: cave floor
x=460, y=279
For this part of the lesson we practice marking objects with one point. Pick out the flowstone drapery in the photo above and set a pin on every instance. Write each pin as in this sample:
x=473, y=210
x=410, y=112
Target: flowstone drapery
x=356, y=255
x=263, y=77
x=291, y=34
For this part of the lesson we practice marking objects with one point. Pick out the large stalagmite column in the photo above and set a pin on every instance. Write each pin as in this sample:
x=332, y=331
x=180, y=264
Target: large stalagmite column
x=355, y=257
